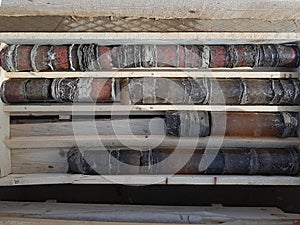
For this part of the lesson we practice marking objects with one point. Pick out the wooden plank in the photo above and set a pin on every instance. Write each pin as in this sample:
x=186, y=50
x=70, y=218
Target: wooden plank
x=99, y=113
x=174, y=73
x=151, y=38
x=154, y=126
x=147, y=141
x=39, y=161
x=215, y=214
x=204, y=9
x=63, y=178
x=30, y=221
x=76, y=109
x=5, y=164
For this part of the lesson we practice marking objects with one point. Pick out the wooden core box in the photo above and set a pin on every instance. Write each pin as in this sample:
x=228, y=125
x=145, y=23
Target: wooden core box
x=35, y=153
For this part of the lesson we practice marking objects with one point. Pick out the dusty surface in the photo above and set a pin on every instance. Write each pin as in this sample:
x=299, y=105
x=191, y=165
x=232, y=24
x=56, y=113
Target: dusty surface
x=204, y=9
x=126, y=24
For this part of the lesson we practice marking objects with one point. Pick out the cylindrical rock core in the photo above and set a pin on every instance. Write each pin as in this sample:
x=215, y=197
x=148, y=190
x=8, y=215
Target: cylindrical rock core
x=92, y=57
x=151, y=90
x=188, y=123
x=225, y=161
x=26, y=90
x=57, y=90
x=240, y=124
x=252, y=124
x=82, y=90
